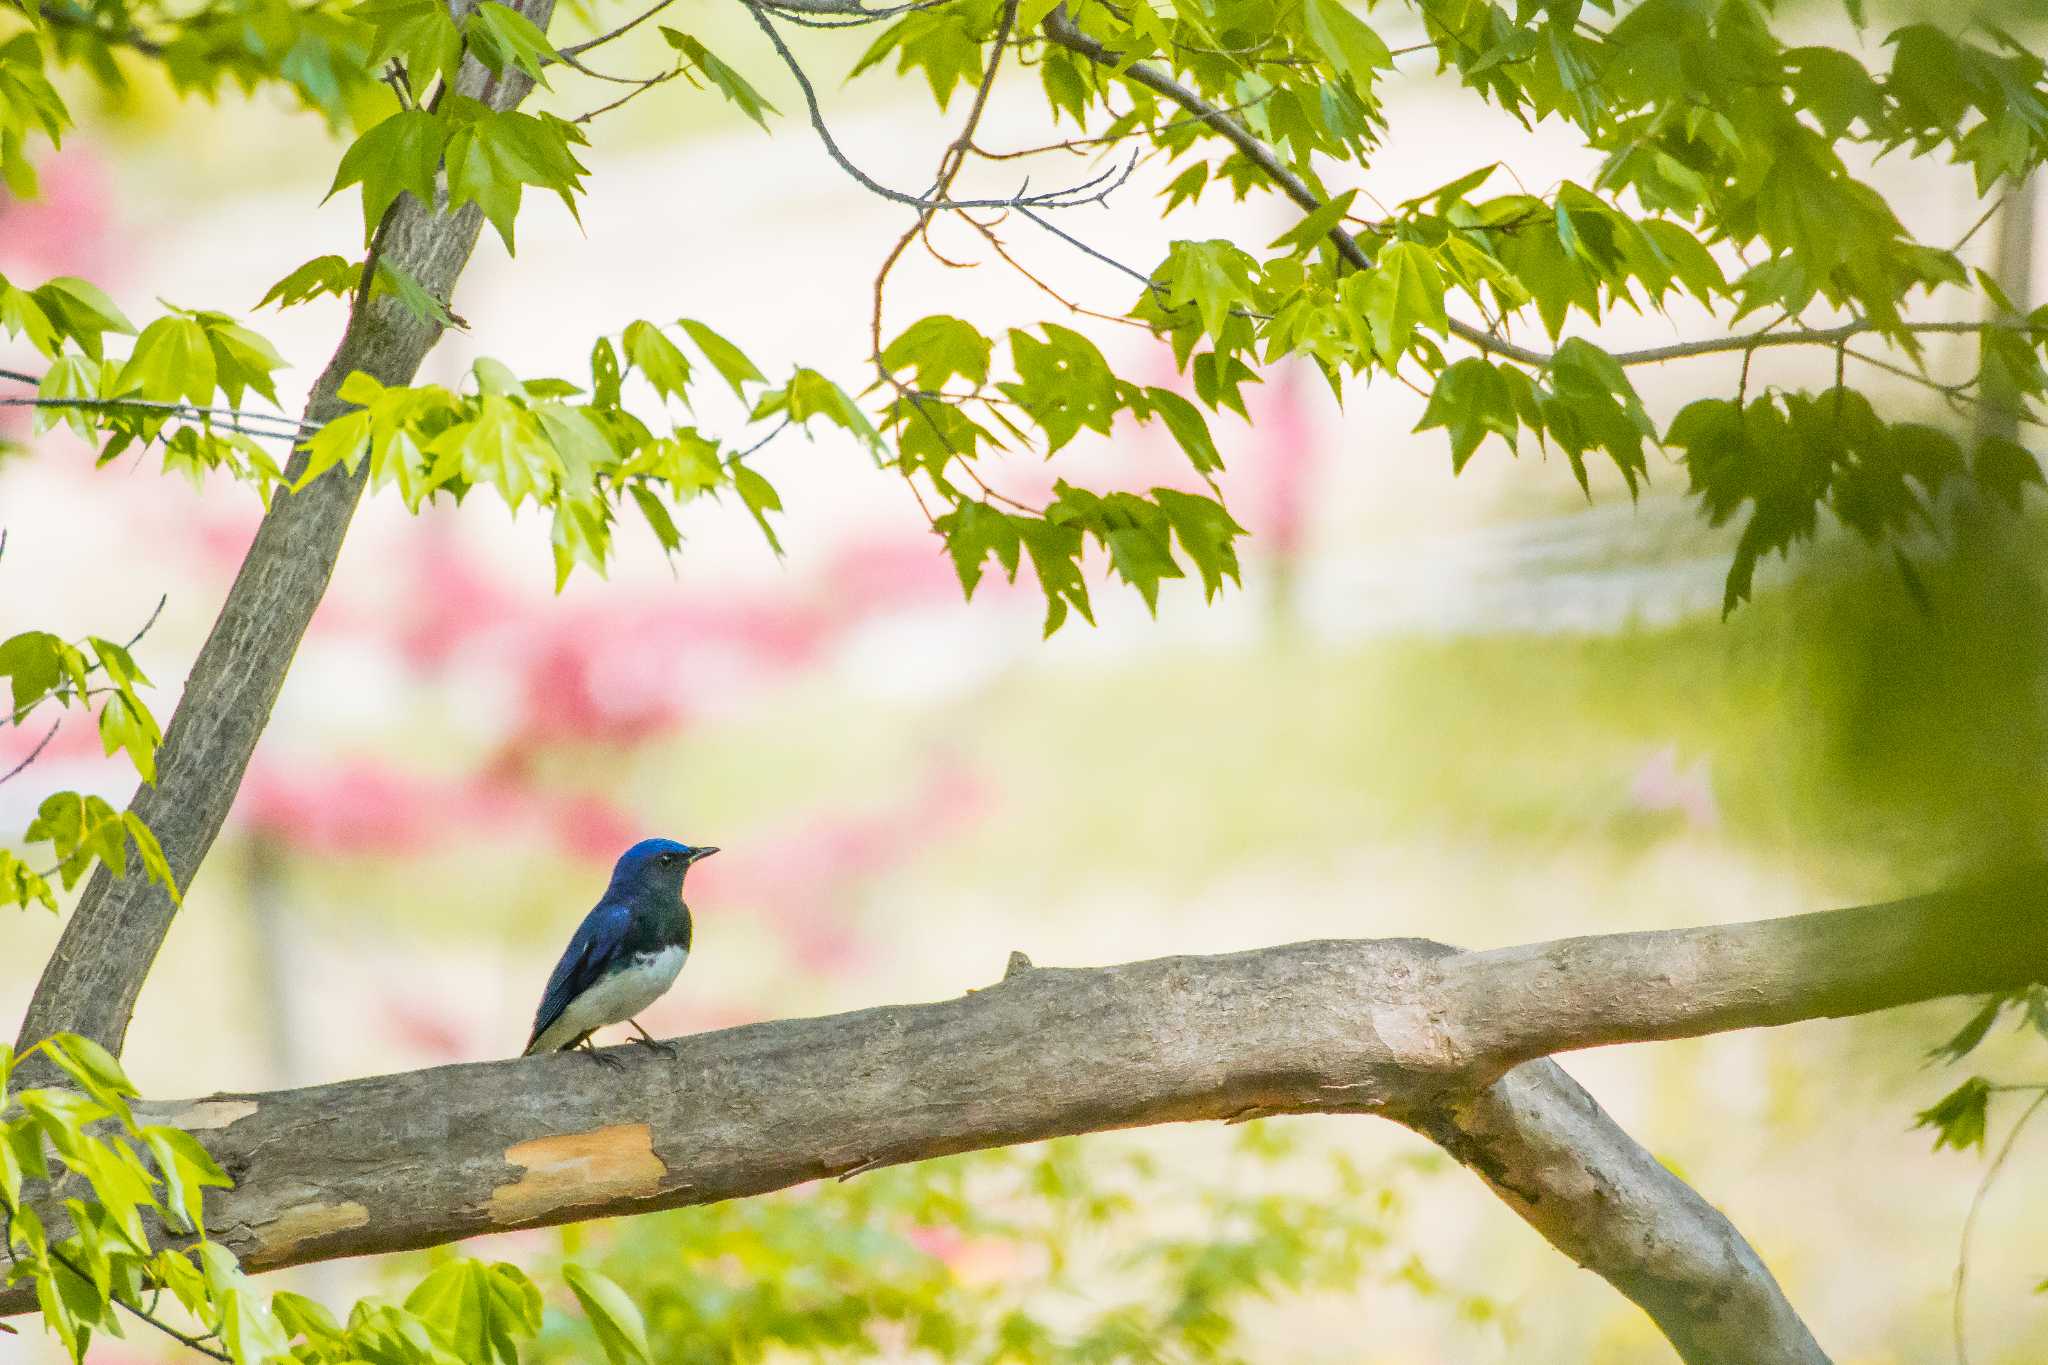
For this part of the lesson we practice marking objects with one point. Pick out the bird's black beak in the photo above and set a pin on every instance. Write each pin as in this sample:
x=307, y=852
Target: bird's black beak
x=701, y=854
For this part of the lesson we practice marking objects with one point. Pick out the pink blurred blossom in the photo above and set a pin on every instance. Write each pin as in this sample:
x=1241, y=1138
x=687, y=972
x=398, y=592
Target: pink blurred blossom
x=454, y=603
x=65, y=229
x=941, y=1243
x=803, y=877
x=1660, y=785
x=359, y=807
x=1283, y=464
x=427, y=1028
x=77, y=738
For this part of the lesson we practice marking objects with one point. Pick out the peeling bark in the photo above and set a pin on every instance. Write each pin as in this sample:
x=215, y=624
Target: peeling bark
x=1399, y=1027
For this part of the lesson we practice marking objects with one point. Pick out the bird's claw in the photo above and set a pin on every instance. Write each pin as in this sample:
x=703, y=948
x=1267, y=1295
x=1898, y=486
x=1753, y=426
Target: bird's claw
x=646, y=1039
x=605, y=1059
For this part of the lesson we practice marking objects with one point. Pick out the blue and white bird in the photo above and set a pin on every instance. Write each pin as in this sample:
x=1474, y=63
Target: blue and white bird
x=625, y=954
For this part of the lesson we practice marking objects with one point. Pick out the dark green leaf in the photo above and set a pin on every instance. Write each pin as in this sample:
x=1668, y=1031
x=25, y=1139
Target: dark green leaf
x=1958, y=1117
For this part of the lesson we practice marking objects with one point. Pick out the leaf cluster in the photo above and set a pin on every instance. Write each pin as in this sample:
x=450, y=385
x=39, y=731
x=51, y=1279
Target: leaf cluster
x=41, y=668
x=1064, y=1251
x=104, y=1216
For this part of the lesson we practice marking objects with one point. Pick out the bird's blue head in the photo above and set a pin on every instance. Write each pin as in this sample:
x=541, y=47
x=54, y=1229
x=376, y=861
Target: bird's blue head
x=655, y=867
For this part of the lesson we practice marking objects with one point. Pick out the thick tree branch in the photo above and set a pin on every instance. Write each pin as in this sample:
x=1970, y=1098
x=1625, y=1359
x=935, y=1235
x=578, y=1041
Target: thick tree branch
x=1398, y=1027
x=1683, y=983
x=1553, y=1155
x=91, y=982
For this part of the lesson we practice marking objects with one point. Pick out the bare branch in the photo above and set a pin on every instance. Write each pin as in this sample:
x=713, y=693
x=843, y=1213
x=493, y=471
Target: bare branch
x=150, y=624
x=802, y=17
x=1077, y=144
x=1090, y=191
x=35, y=753
x=1957, y=1320
x=988, y=233
x=950, y=162
x=846, y=7
x=640, y=88
x=577, y=49
x=804, y=12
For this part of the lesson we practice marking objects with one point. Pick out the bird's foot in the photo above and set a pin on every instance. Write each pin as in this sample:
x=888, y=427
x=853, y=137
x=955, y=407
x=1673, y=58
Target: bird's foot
x=646, y=1040
x=602, y=1058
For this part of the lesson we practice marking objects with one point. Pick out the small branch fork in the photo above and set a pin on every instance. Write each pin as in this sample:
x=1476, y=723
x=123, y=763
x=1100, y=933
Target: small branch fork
x=1091, y=191
x=950, y=162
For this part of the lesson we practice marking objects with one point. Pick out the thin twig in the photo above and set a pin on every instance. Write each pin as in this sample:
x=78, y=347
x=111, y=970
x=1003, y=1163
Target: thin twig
x=188, y=1341
x=1957, y=396
x=136, y=638
x=1061, y=30
x=1075, y=144
x=595, y=75
x=996, y=244
x=950, y=162
x=168, y=409
x=1091, y=191
x=601, y=39
x=1970, y=1222
x=226, y=416
x=60, y=694
x=1140, y=276
x=368, y=281
x=644, y=87
x=1978, y=226
x=68, y=17
x=35, y=753
x=196, y=1343
x=803, y=17
x=744, y=454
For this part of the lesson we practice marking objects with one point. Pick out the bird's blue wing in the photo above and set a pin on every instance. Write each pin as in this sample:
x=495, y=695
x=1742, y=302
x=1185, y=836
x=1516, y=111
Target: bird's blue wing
x=583, y=962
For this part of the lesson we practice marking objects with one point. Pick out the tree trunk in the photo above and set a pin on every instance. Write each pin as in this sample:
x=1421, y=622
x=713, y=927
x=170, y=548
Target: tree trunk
x=90, y=984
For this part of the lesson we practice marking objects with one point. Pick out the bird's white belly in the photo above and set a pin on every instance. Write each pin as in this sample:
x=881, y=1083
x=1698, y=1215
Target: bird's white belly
x=618, y=997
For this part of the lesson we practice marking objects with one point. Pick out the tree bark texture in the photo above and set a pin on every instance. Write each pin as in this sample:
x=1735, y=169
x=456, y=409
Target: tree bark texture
x=90, y=984
x=1404, y=1028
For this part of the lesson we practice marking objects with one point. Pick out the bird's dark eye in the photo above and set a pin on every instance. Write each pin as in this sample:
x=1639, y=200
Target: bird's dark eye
x=668, y=857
